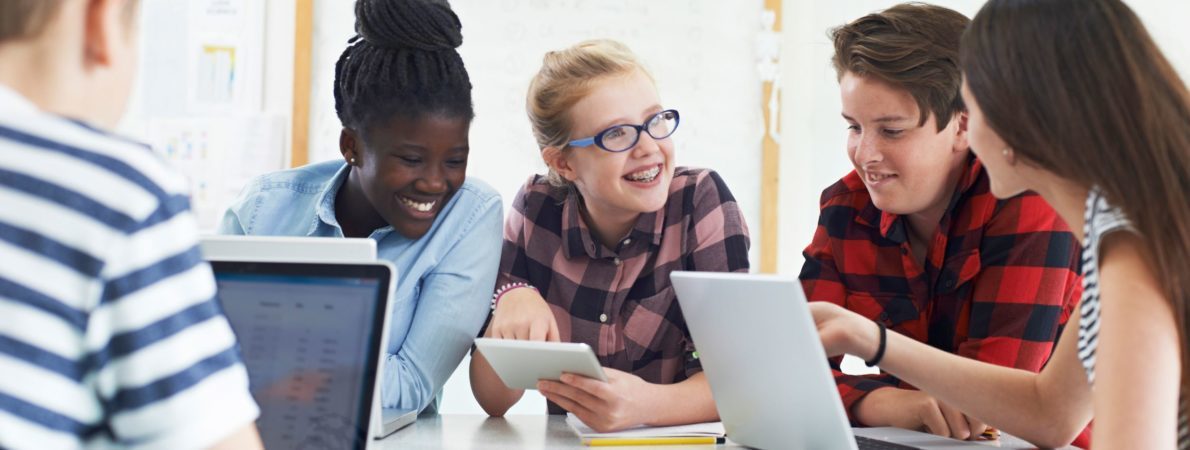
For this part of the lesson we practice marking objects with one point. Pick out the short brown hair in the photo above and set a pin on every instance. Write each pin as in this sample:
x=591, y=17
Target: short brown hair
x=25, y=18
x=913, y=46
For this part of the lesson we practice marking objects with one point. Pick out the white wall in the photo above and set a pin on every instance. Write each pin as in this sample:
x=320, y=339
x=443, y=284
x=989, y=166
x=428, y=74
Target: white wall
x=813, y=149
x=280, y=25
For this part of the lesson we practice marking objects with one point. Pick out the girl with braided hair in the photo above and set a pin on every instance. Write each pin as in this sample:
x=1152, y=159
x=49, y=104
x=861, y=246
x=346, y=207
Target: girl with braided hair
x=404, y=99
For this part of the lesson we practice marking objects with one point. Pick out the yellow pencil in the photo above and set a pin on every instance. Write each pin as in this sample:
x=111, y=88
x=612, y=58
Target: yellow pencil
x=689, y=440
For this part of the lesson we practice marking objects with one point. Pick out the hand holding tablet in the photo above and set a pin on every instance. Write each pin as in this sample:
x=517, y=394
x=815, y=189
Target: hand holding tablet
x=521, y=363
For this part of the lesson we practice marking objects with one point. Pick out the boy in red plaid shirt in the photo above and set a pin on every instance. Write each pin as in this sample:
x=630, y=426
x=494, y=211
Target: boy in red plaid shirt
x=914, y=239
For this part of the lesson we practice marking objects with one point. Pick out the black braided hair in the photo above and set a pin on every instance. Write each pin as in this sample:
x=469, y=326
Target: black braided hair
x=402, y=61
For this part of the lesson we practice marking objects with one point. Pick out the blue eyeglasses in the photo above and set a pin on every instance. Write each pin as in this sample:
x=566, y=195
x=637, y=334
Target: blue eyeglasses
x=623, y=137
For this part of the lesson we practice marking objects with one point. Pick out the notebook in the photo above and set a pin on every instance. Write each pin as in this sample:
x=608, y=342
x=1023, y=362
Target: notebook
x=709, y=430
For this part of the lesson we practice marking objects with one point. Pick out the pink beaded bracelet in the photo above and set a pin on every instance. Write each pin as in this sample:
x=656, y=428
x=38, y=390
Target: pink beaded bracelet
x=504, y=290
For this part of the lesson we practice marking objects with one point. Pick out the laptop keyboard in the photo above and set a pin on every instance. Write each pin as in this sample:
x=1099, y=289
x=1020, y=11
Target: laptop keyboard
x=873, y=444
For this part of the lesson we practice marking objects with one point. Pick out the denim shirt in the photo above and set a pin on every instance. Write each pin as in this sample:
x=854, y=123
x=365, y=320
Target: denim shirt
x=444, y=279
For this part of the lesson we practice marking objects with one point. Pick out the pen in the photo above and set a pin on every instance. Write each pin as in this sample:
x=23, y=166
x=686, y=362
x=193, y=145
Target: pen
x=689, y=440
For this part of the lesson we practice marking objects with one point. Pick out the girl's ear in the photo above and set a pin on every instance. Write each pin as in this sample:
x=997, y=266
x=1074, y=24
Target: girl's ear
x=557, y=160
x=348, y=145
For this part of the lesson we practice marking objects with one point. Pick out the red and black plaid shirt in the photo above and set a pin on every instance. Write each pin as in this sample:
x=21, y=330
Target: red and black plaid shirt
x=620, y=300
x=999, y=281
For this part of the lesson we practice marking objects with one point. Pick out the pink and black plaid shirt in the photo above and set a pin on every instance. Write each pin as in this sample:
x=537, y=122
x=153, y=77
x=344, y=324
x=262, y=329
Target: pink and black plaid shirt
x=620, y=300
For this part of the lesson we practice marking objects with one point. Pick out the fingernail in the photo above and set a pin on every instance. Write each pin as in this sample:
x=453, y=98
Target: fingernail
x=566, y=378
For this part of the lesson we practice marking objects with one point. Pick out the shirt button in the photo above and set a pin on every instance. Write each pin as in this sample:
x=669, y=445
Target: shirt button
x=616, y=261
x=603, y=318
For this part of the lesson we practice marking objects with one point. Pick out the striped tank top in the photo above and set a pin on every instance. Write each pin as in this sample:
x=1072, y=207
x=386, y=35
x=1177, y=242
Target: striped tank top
x=1101, y=220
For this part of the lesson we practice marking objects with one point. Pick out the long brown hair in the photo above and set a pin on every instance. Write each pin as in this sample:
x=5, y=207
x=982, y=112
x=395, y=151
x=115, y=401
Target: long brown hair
x=1078, y=88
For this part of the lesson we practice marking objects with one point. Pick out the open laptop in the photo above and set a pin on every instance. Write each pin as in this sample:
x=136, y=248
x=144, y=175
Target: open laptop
x=306, y=249
x=287, y=248
x=768, y=372
x=312, y=336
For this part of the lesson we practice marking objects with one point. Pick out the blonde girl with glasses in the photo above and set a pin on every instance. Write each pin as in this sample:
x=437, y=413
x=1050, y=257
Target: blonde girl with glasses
x=588, y=248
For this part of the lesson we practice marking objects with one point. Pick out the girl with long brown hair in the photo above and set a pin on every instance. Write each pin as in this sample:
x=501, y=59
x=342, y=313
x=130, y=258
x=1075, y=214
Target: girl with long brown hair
x=1073, y=100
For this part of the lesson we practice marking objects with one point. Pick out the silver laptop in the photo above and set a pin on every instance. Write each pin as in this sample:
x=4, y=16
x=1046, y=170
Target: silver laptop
x=769, y=373
x=312, y=336
x=287, y=248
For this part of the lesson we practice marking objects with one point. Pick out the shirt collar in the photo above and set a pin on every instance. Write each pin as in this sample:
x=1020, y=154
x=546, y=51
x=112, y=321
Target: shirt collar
x=893, y=228
x=326, y=201
x=325, y=215
x=12, y=101
x=577, y=238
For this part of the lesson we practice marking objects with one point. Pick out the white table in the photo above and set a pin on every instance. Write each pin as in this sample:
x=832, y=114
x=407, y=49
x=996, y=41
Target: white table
x=455, y=431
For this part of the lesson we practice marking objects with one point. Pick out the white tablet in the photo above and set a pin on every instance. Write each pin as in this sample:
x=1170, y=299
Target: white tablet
x=521, y=363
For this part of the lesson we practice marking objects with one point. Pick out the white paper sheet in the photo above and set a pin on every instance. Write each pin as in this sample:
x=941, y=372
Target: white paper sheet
x=713, y=429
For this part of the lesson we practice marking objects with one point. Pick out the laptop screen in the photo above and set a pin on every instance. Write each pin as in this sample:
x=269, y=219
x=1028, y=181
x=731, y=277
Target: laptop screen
x=310, y=336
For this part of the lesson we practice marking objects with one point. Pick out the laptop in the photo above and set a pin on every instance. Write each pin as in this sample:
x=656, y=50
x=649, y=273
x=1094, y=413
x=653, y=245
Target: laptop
x=287, y=248
x=313, y=250
x=785, y=396
x=312, y=336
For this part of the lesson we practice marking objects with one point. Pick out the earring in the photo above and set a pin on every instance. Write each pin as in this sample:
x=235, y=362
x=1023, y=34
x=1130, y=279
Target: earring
x=1009, y=156
x=352, y=160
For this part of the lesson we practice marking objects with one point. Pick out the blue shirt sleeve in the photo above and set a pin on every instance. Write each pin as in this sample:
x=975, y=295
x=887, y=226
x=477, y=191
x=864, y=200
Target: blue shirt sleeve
x=452, y=306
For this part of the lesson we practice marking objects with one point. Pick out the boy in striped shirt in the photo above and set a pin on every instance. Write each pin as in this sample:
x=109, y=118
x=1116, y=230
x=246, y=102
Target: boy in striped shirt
x=110, y=335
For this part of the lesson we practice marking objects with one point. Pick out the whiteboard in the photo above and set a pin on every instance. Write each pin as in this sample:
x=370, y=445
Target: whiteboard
x=703, y=54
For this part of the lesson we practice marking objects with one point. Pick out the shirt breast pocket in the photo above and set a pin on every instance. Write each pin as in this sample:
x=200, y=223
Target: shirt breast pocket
x=890, y=309
x=957, y=272
x=647, y=327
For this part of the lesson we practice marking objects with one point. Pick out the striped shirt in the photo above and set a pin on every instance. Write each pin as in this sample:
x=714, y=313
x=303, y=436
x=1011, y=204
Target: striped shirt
x=110, y=335
x=620, y=300
x=1103, y=219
